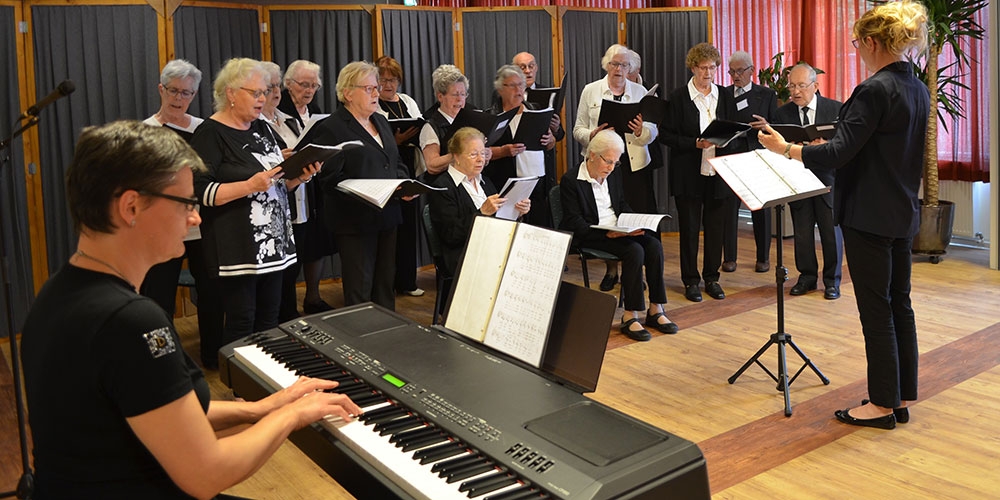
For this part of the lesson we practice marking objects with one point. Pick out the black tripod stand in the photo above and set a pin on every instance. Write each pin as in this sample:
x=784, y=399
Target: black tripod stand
x=780, y=338
x=26, y=484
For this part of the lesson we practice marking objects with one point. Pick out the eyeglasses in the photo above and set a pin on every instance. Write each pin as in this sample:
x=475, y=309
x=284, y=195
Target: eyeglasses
x=800, y=86
x=475, y=155
x=369, y=88
x=307, y=85
x=710, y=69
x=525, y=67
x=606, y=161
x=518, y=86
x=189, y=203
x=854, y=42
x=617, y=64
x=257, y=93
x=388, y=81
x=458, y=95
x=734, y=71
x=183, y=93
x=274, y=86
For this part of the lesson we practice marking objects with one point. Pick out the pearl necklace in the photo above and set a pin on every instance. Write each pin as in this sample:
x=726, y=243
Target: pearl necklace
x=107, y=265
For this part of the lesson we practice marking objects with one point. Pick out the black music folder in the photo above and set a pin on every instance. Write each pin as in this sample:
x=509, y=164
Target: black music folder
x=548, y=97
x=492, y=126
x=722, y=132
x=533, y=125
x=400, y=125
x=618, y=114
x=294, y=165
x=805, y=133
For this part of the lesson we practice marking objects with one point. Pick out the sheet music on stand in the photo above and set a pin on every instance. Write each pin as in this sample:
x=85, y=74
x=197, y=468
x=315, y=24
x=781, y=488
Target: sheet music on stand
x=763, y=179
x=506, y=287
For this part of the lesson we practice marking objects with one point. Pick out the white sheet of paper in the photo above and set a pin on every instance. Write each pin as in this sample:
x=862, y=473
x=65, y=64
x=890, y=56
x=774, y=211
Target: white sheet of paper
x=523, y=186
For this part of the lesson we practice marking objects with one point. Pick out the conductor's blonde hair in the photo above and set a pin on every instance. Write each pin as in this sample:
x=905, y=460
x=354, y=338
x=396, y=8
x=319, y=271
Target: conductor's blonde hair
x=897, y=26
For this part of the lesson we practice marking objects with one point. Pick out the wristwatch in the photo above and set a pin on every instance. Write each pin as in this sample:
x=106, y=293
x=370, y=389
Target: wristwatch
x=788, y=151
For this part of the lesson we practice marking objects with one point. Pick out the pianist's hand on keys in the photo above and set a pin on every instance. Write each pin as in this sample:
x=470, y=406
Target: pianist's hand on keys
x=308, y=402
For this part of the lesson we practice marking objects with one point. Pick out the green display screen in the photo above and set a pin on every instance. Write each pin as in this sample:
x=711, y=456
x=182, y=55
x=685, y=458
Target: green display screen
x=388, y=377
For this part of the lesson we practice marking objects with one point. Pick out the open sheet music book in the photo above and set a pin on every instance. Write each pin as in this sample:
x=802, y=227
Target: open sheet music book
x=515, y=190
x=506, y=287
x=722, y=132
x=806, y=133
x=294, y=165
x=630, y=222
x=548, y=97
x=313, y=120
x=378, y=192
x=763, y=179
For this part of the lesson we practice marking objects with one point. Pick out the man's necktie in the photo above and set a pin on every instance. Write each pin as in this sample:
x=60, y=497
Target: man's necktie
x=739, y=91
x=805, y=116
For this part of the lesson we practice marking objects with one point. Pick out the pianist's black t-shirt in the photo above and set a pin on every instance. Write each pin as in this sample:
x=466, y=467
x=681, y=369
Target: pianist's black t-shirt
x=96, y=352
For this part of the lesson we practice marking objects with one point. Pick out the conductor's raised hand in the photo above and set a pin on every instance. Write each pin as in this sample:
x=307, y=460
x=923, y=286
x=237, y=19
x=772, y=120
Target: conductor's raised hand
x=636, y=125
x=262, y=181
x=492, y=204
x=772, y=140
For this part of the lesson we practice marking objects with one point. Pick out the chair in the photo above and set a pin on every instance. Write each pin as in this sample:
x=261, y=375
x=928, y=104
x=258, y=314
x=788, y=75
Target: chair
x=439, y=270
x=585, y=254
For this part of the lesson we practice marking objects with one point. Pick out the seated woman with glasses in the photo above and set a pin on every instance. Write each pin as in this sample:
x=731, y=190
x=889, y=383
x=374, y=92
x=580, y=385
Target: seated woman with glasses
x=365, y=235
x=467, y=194
x=593, y=193
x=510, y=159
x=246, y=226
x=451, y=88
x=143, y=425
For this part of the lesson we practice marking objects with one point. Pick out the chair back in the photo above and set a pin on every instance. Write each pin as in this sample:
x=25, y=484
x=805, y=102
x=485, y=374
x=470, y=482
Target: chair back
x=555, y=206
x=432, y=238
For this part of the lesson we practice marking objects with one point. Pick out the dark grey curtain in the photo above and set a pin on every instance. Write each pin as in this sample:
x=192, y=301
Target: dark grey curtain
x=330, y=38
x=586, y=36
x=208, y=37
x=663, y=39
x=14, y=220
x=421, y=41
x=491, y=39
x=111, y=54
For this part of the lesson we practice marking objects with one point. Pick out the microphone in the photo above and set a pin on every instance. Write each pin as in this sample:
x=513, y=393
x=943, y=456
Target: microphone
x=64, y=89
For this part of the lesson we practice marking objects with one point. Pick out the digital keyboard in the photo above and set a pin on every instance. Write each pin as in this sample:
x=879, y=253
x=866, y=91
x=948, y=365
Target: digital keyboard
x=446, y=419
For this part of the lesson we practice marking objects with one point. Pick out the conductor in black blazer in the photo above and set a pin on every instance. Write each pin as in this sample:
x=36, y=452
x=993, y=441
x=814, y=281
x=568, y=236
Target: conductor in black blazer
x=807, y=107
x=699, y=193
x=365, y=235
x=592, y=194
x=756, y=105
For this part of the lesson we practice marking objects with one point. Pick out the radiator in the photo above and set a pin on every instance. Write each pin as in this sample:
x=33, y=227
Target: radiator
x=961, y=194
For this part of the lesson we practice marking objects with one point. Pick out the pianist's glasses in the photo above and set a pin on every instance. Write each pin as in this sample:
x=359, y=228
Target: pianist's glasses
x=189, y=203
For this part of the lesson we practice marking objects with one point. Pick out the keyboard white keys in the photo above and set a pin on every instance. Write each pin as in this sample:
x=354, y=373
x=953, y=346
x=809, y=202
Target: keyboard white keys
x=399, y=466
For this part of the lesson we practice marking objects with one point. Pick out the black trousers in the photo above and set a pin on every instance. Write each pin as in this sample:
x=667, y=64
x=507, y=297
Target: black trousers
x=160, y=284
x=251, y=303
x=211, y=315
x=806, y=214
x=368, y=264
x=636, y=252
x=694, y=214
x=406, y=246
x=761, y=220
x=880, y=271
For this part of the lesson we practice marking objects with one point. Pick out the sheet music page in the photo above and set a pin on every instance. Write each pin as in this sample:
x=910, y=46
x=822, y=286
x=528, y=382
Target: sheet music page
x=646, y=221
x=519, y=325
x=475, y=287
x=760, y=176
x=313, y=120
x=521, y=190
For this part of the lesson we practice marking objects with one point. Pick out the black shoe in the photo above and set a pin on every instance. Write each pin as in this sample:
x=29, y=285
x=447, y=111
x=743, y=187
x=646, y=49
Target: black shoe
x=714, y=290
x=887, y=422
x=640, y=335
x=831, y=293
x=729, y=266
x=692, y=293
x=608, y=282
x=762, y=267
x=802, y=288
x=902, y=414
x=652, y=320
x=316, y=307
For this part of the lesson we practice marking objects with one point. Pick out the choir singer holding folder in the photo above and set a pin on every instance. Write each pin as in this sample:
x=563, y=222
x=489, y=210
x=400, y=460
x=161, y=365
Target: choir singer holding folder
x=365, y=235
x=593, y=193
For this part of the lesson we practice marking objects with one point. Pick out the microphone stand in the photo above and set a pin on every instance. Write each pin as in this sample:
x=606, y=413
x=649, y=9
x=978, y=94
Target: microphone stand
x=26, y=484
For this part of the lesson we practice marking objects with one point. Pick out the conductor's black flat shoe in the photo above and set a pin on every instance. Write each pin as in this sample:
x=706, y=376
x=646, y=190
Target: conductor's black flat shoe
x=831, y=293
x=902, y=414
x=802, y=287
x=887, y=422
x=640, y=335
x=714, y=290
x=652, y=321
x=692, y=293
x=608, y=282
x=729, y=266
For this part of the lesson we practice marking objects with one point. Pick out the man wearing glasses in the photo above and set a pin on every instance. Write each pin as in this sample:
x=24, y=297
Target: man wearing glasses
x=756, y=105
x=806, y=107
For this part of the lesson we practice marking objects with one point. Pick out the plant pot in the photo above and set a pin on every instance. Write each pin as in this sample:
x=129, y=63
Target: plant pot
x=934, y=234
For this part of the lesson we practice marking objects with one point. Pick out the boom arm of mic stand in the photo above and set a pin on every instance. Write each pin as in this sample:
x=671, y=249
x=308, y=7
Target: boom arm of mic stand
x=15, y=134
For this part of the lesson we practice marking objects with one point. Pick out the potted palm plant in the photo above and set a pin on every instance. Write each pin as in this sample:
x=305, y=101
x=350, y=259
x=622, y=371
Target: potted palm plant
x=950, y=23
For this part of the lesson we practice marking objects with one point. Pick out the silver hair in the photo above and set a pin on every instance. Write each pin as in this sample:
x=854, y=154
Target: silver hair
x=447, y=75
x=298, y=66
x=810, y=71
x=232, y=75
x=506, y=71
x=741, y=56
x=634, y=61
x=614, y=50
x=179, y=68
x=272, y=69
x=603, y=141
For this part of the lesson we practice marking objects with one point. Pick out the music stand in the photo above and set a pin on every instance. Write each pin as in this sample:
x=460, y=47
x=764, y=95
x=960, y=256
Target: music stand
x=780, y=338
x=765, y=179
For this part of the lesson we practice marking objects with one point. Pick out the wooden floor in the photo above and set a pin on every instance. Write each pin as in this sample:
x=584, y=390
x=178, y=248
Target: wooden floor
x=950, y=448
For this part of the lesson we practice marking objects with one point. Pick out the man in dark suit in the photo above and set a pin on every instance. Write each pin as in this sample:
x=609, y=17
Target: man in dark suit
x=804, y=108
x=756, y=105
